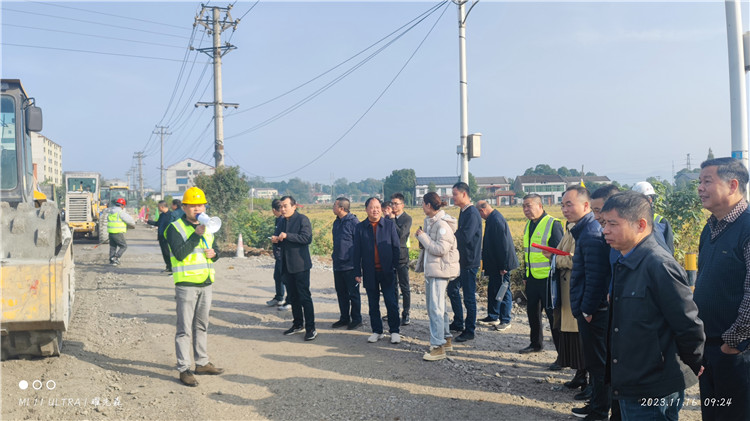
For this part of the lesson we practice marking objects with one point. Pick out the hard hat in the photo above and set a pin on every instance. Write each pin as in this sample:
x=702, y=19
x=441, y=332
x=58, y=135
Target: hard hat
x=121, y=202
x=194, y=196
x=644, y=187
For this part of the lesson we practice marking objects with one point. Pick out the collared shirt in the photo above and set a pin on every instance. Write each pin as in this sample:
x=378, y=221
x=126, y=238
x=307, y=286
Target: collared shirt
x=466, y=207
x=740, y=329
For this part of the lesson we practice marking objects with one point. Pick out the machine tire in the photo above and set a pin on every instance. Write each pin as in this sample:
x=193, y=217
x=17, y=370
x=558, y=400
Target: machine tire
x=102, y=227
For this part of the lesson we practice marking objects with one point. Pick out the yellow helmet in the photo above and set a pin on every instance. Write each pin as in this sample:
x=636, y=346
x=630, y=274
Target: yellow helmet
x=194, y=196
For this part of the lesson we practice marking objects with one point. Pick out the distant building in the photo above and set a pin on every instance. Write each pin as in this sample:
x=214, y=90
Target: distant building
x=549, y=187
x=321, y=198
x=47, y=155
x=498, y=189
x=683, y=180
x=443, y=187
x=264, y=193
x=587, y=180
x=181, y=176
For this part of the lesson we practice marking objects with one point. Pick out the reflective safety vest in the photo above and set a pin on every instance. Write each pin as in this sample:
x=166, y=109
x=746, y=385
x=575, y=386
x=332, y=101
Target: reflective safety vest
x=537, y=266
x=658, y=218
x=196, y=267
x=115, y=225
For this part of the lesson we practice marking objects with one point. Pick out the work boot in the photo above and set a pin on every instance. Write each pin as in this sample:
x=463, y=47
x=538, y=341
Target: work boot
x=208, y=369
x=187, y=378
x=448, y=345
x=436, y=353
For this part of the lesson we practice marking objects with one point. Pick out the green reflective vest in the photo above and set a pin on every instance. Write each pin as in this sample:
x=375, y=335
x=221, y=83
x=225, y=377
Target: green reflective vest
x=115, y=225
x=658, y=218
x=196, y=267
x=537, y=266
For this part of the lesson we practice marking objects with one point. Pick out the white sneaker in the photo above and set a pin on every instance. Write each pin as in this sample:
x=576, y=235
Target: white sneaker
x=375, y=337
x=395, y=338
x=285, y=307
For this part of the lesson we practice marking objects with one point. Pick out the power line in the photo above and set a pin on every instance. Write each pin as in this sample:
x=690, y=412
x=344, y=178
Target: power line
x=106, y=14
x=87, y=51
x=91, y=35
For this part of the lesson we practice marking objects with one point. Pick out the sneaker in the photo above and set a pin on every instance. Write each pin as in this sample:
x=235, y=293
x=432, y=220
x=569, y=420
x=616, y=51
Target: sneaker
x=464, y=336
x=375, y=337
x=581, y=412
x=353, y=325
x=292, y=330
x=436, y=353
x=208, y=369
x=339, y=323
x=455, y=327
x=502, y=326
x=284, y=307
x=489, y=321
x=395, y=338
x=311, y=335
x=274, y=302
x=187, y=378
x=406, y=320
x=448, y=345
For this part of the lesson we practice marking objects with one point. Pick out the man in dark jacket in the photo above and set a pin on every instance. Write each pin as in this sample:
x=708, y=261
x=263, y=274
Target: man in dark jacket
x=347, y=288
x=498, y=259
x=403, y=229
x=656, y=337
x=294, y=234
x=162, y=222
x=376, y=251
x=278, y=298
x=469, y=241
x=589, y=282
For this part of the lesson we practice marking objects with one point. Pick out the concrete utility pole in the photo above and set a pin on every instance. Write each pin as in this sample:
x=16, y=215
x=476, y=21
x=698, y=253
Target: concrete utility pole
x=737, y=83
x=215, y=26
x=161, y=132
x=140, y=156
x=463, y=148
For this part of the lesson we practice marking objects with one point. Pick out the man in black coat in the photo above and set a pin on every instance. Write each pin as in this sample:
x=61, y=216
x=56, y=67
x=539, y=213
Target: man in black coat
x=403, y=229
x=498, y=259
x=294, y=234
x=165, y=218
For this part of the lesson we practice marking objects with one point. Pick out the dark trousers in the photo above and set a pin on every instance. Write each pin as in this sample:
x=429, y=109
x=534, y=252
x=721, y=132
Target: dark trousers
x=466, y=281
x=347, y=292
x=279, y=281
x=402, y=273
x=165, y=252
x=499, y=309
x=384, y=281
x=117, y=245
x=536, y=290
x=725, y=377
x=594, y=340
x=298, y=292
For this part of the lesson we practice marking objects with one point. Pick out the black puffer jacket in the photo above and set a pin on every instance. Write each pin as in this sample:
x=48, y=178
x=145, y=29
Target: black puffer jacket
x=589, y=280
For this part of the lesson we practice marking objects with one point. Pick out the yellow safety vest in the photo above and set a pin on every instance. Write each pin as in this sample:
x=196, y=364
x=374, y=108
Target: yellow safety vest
x=658, y=218
x=115, y=224
x=196, y=267
x=537, y=265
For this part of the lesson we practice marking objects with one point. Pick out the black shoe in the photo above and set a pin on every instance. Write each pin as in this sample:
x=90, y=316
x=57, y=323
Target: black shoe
x=581, y=412
x=340, y=323
x=353, y=325
x=555, y=367
x=464, y=336
x=405, y=321
x=294, y=329
x=579, y=380
x=311, y=335
x=529, y=349
x=585, y=394
x=455, y=328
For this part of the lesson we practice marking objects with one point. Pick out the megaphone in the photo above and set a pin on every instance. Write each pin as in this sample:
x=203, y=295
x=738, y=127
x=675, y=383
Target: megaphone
x=212, y=223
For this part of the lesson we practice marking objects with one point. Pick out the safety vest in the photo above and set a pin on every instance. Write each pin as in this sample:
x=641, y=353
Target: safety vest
x=115, y=225
x=658, y=218
x=196, y=267
x=537, y=265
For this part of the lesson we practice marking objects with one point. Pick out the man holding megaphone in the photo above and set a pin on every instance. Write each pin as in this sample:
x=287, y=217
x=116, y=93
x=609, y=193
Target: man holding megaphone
x=191, y=240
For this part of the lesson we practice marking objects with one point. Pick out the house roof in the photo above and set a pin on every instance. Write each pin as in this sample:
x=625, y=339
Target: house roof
x=588, y=179
x=491, y=180
x=438, y=181
x=531, y=179
x=190, y=159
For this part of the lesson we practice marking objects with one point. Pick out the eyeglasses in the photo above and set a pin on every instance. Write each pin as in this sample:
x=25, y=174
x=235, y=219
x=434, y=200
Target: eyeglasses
x=397, y=203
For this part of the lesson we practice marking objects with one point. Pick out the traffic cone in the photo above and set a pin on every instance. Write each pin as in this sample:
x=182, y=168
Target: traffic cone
x=240, y=248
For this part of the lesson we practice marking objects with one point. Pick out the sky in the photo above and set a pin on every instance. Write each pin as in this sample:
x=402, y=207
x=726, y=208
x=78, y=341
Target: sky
x=623, y=89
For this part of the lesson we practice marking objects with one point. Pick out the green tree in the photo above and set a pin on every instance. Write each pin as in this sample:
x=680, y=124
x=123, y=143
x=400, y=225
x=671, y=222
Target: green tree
x=431, y=187
x=299, y=189
x=710, y=154
x=225, y=189
x=564, y=172
x=684, y=211
x=540, y=169
x=404, y=181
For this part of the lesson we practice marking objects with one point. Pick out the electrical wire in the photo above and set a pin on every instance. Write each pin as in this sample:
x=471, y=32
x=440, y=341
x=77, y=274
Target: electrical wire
x=87, y=51
x=98, y=36
x=106, y=14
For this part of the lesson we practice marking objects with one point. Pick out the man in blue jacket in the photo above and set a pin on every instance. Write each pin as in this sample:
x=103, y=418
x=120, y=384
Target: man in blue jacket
x=376, y=252
x=589, y=283
x=162, y=222
x=469, y=239
x=347, y=288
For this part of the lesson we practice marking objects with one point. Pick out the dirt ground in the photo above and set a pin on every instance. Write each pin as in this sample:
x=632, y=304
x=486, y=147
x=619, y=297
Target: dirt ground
x=118, y=358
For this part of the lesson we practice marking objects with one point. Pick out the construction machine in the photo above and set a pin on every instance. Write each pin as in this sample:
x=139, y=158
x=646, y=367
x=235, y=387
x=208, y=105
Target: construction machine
x=36, y=248
x=83, y=205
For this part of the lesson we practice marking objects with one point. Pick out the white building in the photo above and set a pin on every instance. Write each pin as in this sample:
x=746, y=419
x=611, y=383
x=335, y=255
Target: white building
x=181, y=176
x=498, y=189
x=443, y=186
x=264, y=193
x=549, y=187
x=47, y=155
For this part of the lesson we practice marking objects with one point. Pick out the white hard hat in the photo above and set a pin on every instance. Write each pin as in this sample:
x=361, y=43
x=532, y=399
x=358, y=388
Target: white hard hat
x=644, y=187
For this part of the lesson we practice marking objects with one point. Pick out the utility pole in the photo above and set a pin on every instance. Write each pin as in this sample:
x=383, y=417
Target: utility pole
x=688, y=163
x=161, y=132
x=140, y=156
x=463, y=89
x=215, y=25
x=737, y=80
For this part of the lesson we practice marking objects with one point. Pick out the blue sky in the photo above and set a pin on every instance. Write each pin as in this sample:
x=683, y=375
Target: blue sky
x=622, y=89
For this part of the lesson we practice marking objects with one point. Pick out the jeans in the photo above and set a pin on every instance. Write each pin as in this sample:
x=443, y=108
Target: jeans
x=117, y=245
x=385, y=281
x=402, y=273
x=347, y=292
x=165, y=252
x=594, y=340
x=436, y=310
x=466, y=281
x=193, y=305
x=536, y=289
x=653, y=409
x=298, y=292
x=499, y=309
x=725, y=377
x=279, y=281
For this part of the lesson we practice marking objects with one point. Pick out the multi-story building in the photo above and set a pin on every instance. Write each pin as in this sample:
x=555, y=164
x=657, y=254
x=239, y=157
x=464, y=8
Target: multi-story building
x=443, y=186
x=549, y=187
x=264, y=192
x=47, y=155
x=181, y=176
x=498, y=190
x=588, y=180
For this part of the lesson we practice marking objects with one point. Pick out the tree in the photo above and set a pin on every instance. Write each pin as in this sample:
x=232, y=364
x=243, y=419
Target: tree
x=684, y=211
x=564, y=172
x=404, y=181
x=225, y=189
x=431, y=187
x=541, y=169
x=710, y=154
x=299, y=189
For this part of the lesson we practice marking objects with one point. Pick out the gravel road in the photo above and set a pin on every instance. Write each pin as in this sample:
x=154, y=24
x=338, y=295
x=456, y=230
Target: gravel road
x=118, y=357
